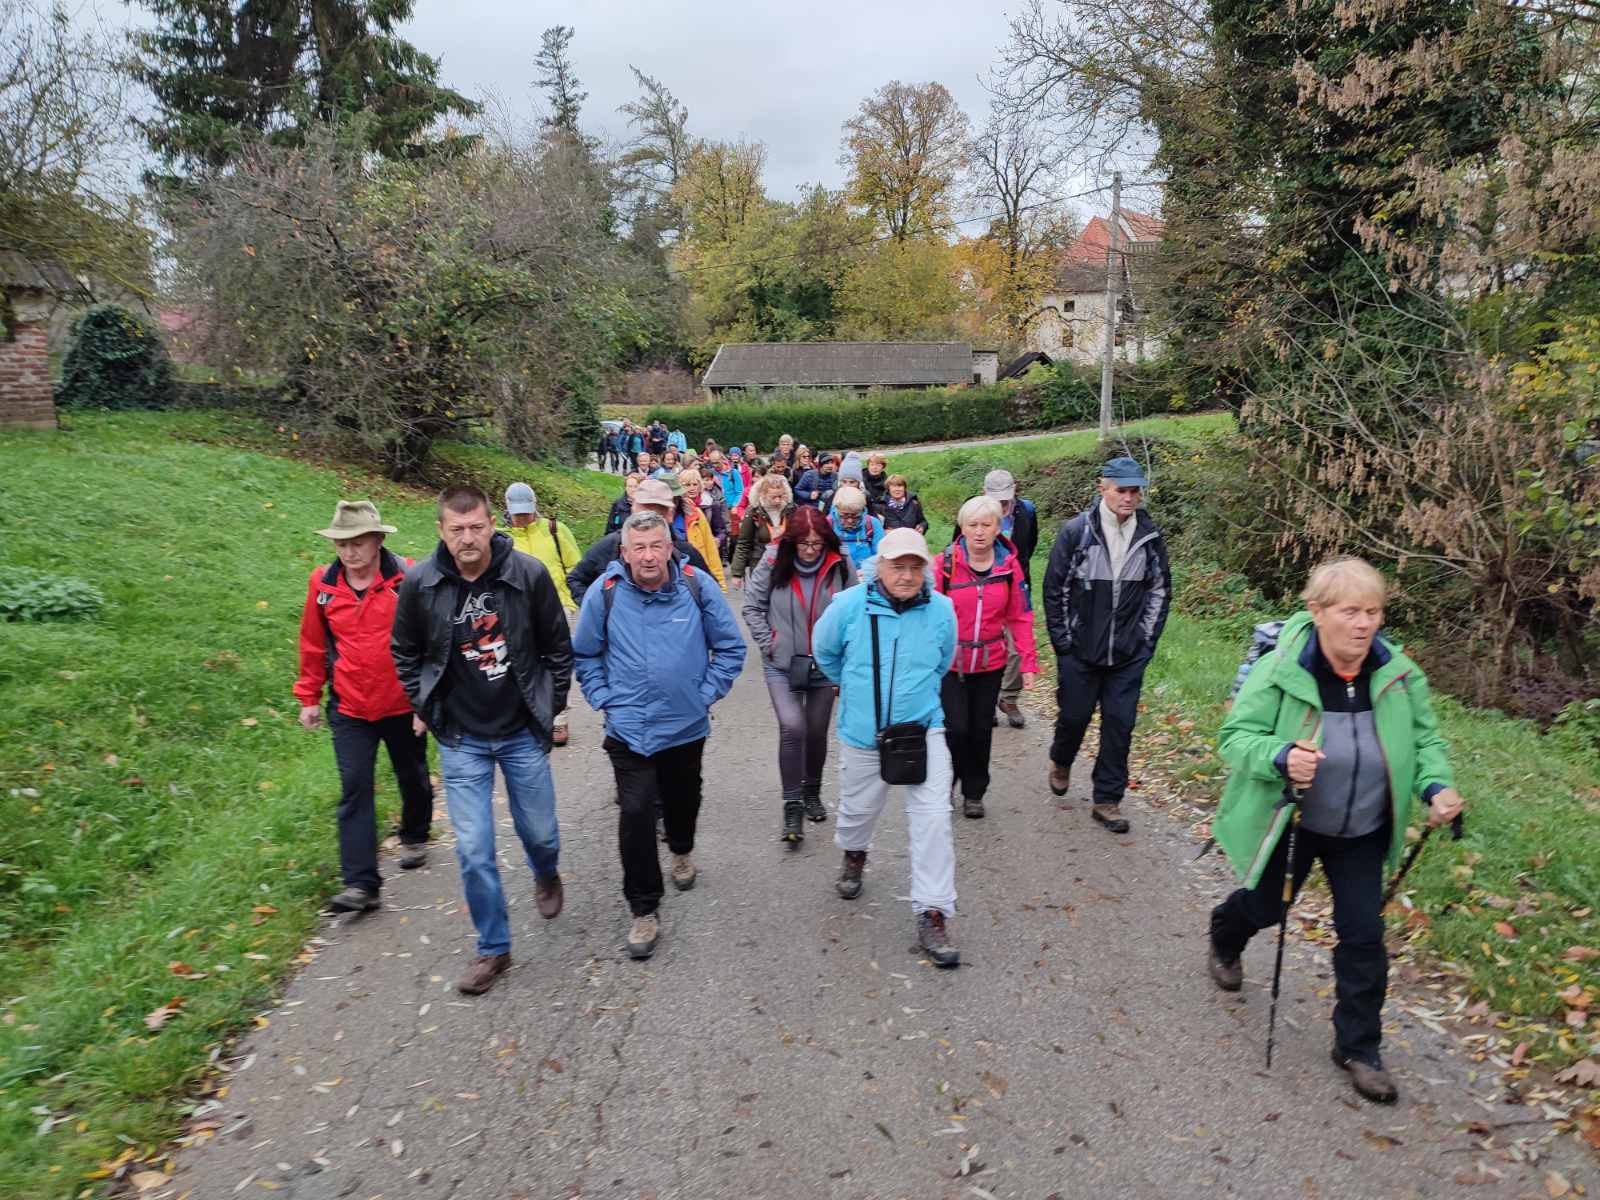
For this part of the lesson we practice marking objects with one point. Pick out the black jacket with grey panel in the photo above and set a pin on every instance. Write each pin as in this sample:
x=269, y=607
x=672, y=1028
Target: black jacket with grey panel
x=1101, y=620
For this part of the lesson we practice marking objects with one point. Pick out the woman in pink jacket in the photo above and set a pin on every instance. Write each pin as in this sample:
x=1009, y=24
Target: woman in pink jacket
x=982, y=575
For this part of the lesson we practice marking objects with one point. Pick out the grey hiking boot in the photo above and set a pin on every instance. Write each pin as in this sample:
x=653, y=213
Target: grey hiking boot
x=1371, y=1082
x=684, y=872
x=794, y=815
x=1013, y=714
x=354, y=899
x=815, y=809
x=972, y=806
x=413, y=856
x=643, y=934
x=1226, y=973
x=848, y=884
x=933, y=939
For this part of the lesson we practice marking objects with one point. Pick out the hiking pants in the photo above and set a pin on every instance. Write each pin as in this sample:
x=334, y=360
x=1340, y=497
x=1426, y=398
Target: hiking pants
x=802, y=733
x=969, y=702
x=668, y=780
x=355, y=750
x=1080, y=687
x=862, y=794
x=1011, y=685
x=1354, y=867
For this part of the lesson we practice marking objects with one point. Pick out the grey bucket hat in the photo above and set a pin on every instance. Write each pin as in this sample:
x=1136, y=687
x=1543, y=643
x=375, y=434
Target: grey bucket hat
x=352, y=518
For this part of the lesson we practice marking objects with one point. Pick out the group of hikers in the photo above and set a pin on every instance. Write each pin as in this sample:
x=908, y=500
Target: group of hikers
x=1330, y=742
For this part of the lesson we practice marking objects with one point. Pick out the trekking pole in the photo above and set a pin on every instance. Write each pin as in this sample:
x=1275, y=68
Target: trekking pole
x=1291, y=800
x=1411, y=857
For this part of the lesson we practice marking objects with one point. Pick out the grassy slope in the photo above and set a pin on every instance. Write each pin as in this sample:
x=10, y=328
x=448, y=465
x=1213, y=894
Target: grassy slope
x=1529, y=860
x=182, y=819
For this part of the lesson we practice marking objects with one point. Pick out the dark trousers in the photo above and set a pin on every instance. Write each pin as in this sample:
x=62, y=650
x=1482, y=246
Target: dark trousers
x=1080, y=687
x=355, y=749
x=669, y=780
x=802, y=734
x=969, y=702
x=1354, y=867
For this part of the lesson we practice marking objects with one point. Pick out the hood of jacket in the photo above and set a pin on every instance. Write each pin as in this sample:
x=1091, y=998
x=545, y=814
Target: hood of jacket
x=500, y=549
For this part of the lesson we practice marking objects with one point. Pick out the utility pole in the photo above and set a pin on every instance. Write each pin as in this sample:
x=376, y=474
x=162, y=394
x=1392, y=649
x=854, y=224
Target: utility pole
x=1113, y=286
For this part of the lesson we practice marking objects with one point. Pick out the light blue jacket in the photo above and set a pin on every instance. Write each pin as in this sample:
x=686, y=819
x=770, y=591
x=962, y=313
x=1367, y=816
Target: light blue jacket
x=732, y=481
x=658, y=662
x=841, y=642
x=860, y=543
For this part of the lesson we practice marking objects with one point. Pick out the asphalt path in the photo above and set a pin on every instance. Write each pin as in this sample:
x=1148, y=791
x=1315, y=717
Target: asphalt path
x=786, y=1043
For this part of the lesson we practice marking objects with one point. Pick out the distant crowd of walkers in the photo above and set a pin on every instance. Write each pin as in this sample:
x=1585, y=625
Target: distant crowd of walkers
x=1331, y=741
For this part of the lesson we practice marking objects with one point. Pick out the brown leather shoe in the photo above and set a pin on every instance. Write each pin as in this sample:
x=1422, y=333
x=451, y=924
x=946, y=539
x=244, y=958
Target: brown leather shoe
x=848, y=884
x=1110, y=815
x=480, y=976
x=549, y=895
x=1226, y=973
x=1371, y=1082
x=933, y=939
x=1060, y=779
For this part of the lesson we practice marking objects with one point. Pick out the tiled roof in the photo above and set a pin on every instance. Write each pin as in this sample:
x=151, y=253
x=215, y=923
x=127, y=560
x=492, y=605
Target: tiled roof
x=840, y=364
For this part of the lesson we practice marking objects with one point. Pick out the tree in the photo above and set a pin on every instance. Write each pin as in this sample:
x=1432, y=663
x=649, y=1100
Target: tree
x=904, y=150
x=902, y=291
x=559, y=79
x=656, y=159
x=223, y=74
x=62, y=168
x=720, y=188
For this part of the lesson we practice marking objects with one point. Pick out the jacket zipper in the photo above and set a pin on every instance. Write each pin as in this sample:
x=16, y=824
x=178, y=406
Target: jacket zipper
x=1355, y=775
x=977, y=631
x=1116, y=590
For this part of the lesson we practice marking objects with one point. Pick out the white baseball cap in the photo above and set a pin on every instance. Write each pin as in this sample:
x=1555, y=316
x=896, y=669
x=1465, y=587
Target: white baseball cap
x=904, y=543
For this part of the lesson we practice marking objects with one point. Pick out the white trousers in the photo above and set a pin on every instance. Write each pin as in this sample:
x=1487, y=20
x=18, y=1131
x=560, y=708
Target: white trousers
x=862, y=794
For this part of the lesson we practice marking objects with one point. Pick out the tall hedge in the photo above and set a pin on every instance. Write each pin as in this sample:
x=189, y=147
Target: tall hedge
x=115, y=360
x=1045, y=399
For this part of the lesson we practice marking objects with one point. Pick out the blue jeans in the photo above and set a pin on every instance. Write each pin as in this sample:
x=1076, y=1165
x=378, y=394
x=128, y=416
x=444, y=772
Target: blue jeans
x=469, y=791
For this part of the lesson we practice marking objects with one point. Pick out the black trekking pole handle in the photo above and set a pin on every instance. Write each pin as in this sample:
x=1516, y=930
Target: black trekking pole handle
x=1457, y=828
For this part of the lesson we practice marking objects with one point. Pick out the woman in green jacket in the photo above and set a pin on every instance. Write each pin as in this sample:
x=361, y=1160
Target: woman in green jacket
x=1338, y=719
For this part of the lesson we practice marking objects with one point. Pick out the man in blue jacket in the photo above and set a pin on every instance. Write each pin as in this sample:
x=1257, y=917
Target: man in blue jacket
x=916, y=641
x=652, y=618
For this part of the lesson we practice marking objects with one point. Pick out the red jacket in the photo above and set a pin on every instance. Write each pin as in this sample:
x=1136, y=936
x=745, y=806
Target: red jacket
x=986, y=608
x=358, y=657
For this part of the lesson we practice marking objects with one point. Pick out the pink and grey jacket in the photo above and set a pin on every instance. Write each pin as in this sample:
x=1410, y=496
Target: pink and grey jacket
x=986, y=608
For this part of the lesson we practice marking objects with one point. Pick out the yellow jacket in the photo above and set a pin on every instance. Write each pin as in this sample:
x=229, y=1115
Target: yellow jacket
x=557, y=550
x=697, y=532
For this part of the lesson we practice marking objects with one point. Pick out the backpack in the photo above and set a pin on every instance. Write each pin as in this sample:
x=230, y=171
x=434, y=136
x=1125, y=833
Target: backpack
x=609, y=595
x=1263, y=641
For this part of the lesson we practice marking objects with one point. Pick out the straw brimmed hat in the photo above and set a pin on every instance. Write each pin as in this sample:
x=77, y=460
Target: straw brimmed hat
x=352, y=518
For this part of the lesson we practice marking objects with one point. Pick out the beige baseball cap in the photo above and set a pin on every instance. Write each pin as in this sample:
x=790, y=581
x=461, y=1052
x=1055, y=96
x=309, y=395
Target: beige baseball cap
x=904, y=543
x=653, y=492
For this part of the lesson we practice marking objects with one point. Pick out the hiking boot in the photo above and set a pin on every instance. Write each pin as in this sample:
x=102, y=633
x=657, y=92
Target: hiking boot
x=816, y=810
x=1110, y=815
x=794, y=816
x=933, y=939
x=1060, y=778
x=354, y=899
x=1013, y=712
x=413, y=856
x=643, y=934
x=848, y=884
x=1371, y=1082
x=1226, y=973
x=480, y=976
x=549, y=895
x=972, y=806
x=683, y=872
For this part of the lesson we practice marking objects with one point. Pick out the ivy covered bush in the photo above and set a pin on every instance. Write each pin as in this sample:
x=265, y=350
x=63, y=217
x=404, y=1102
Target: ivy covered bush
x=115, y=360
x=27, y=595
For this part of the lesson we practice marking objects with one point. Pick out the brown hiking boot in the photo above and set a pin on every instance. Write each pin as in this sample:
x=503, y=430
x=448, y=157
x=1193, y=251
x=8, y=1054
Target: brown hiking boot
x=480, y=976
x=1371, y=1082
x=1226, y=973
x=354, y=899
x=1060, y=778
x=933, y=939
x=683, y=872
x=549, y=895
x=643, y=935
x=1013, y=712
x=848, y=884
x=972, y=806
x=1110, y=815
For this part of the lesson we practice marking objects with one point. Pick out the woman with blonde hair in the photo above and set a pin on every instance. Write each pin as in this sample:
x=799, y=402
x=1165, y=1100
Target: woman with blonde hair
x=771, y=502
x=1330, y=743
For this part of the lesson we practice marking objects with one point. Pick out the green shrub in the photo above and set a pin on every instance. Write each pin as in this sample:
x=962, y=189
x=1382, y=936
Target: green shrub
x=115, y=360
x=39, y=596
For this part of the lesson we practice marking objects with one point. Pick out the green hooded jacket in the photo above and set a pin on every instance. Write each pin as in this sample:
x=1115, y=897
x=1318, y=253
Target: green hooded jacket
x=1278, y=704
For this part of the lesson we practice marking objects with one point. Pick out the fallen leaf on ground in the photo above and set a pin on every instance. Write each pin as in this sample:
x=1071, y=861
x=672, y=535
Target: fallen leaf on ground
x=149, y=1180
x=249, y=722
x=1556, y=1185
x=996, y=1084
x=1519, y=1054
x=1584, y=1074
x=1505, y=929
x=159, y=1017
x=1580, y=954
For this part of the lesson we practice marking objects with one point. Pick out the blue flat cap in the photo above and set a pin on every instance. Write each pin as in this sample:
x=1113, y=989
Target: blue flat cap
x=1124, y=472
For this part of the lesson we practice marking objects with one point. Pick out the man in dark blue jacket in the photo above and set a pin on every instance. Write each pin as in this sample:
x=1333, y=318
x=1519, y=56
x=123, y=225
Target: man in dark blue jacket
x=653, y=618
x=816, y=486
x=1106, y=594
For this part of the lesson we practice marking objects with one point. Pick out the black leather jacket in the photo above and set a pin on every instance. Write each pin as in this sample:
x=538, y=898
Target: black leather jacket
x=537, y=641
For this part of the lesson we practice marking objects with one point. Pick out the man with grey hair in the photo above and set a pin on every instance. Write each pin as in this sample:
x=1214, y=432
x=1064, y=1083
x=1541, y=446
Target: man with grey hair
x=655, y=617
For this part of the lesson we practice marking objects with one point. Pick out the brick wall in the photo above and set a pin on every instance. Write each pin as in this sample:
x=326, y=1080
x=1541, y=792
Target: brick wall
x=27, y=396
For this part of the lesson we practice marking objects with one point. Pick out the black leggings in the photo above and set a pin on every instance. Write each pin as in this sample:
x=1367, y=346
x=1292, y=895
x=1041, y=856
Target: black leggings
x=802, y=733
x=969, y=702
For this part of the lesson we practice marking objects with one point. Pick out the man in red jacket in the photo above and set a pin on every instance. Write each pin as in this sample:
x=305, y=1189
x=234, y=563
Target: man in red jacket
x=344, y=643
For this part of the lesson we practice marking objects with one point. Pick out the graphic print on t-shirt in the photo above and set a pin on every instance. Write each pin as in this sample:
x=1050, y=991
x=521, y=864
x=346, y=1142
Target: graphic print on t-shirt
x=484, y=644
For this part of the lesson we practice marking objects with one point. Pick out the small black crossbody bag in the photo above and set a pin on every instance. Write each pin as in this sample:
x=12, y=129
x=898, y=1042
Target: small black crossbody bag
x=902, y=748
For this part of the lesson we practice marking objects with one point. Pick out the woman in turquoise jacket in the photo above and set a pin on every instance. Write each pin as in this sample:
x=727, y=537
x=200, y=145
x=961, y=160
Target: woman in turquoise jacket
x=1330, y=740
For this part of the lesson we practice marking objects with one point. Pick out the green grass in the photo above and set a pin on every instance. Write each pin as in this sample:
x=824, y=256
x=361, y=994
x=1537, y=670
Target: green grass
x=164, y=812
